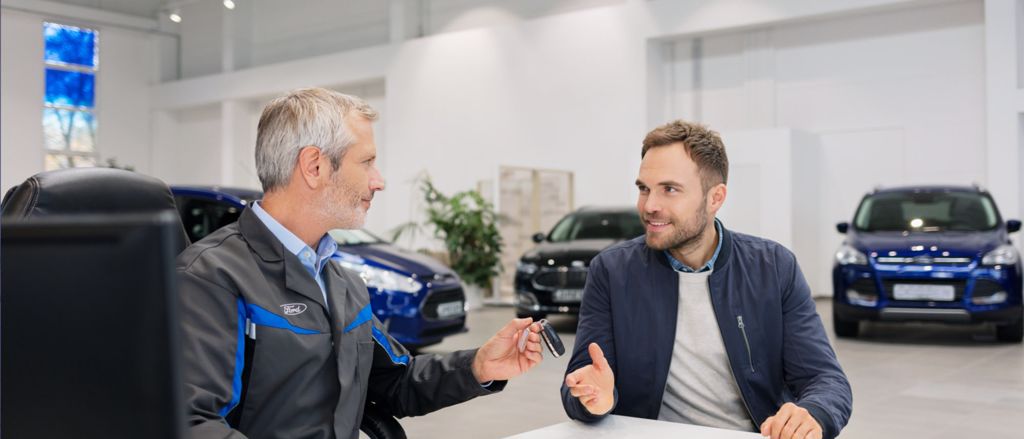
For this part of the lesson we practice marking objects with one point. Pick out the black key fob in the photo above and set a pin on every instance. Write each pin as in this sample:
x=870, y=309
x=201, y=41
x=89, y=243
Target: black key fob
x=551, y=339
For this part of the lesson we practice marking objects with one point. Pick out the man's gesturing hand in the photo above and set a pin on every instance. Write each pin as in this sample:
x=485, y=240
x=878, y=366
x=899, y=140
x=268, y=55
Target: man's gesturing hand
x=593, y=384
x=791, y=422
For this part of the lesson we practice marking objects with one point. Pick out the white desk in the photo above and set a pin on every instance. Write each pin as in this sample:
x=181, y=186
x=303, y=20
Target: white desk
x=625, y=427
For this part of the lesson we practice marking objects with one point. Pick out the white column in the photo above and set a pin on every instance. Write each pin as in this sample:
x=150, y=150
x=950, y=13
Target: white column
x=1002, y=62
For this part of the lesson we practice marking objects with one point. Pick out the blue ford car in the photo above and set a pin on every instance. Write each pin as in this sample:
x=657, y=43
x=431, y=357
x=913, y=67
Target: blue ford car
x=929, y=253
x=419, y=300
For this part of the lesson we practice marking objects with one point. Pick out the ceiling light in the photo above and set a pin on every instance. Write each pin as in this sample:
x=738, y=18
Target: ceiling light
x=229, y=4
x=175, y=16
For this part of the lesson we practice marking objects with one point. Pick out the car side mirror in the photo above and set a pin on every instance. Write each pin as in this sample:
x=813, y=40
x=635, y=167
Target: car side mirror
x=539, y=237
x=1012, y=225
x=842, y=227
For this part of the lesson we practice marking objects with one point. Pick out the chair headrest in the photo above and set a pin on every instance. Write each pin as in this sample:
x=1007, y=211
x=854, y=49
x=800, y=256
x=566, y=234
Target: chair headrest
x=88, y=191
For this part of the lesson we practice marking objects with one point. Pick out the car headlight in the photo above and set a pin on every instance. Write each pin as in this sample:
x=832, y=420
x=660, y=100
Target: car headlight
x=847, y=255
x=526, y=267
x=383, y=279
x=1005, y=254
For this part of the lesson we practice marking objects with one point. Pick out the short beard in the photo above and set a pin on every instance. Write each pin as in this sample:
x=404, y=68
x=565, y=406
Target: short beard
x=684, y=239
x=341, y=208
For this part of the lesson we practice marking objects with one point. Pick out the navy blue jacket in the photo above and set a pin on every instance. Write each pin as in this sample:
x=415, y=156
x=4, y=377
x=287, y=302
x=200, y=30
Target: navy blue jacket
x=773, y=336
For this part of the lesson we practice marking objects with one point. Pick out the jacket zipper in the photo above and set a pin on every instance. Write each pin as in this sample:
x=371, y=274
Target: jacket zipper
x=743, y=330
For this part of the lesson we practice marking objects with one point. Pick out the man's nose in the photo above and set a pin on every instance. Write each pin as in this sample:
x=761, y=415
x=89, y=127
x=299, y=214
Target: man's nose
x=376, y=180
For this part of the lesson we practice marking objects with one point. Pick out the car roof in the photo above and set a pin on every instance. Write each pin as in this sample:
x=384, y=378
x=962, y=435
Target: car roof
x=239, y=196
x=929, y=188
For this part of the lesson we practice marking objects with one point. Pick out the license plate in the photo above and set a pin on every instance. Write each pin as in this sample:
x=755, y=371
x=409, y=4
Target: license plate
x=923, y=292
x=567, y=295
x=450, y=309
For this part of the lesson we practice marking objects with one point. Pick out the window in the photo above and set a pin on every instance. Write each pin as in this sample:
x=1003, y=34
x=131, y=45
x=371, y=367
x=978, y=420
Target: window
x=202, y=217
x=71, y=60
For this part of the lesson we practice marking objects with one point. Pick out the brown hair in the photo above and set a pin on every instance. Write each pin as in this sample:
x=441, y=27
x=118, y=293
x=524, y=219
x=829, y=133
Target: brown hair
x=703, y=145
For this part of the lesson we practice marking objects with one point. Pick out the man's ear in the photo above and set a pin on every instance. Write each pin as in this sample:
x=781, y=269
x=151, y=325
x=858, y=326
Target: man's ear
x=716, y=197
x=310, y=167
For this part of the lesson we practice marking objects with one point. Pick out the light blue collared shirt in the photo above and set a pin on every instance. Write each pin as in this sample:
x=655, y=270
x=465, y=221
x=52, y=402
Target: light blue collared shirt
x=314, y=262
x=683, y=268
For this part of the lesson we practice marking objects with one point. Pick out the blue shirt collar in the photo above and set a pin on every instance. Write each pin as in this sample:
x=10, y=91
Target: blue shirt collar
x=325, y=248
x=683, y=268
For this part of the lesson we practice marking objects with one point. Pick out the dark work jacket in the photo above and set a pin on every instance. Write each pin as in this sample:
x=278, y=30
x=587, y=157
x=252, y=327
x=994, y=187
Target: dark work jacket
x=774, y=338
x=264, y=357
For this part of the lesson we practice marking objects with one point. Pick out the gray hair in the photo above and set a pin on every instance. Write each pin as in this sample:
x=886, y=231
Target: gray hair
x=304, y=117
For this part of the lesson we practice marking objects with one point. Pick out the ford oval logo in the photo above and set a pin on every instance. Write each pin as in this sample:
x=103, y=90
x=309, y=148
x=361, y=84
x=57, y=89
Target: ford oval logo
x=292, y=309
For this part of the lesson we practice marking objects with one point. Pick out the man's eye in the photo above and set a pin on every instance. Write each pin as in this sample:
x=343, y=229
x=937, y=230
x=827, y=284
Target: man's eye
x=671, y=189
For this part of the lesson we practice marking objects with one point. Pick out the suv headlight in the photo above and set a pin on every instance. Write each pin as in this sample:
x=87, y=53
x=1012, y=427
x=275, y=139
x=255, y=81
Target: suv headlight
x=526, y=267
x=847, y=255
x=383, y=279
x=1005, y=254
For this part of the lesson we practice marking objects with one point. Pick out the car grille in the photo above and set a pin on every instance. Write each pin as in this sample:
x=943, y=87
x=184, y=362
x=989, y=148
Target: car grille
x=923, y=260
x=958, y=287
x=558, y=278
x=435, y=298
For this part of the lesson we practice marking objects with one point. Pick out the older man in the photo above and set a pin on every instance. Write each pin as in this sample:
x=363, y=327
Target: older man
x=698, y=324
x=280, y=342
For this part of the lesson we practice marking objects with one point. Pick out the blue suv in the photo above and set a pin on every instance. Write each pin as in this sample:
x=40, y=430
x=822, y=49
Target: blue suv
x=928, y=253
x=419, y=300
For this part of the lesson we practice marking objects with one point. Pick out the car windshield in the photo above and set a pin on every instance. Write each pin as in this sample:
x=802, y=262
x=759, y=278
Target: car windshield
x=926, y=212
x=597, y=225
x=354, y=237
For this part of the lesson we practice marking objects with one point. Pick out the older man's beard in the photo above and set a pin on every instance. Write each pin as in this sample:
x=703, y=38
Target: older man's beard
x=682, y=237
x=342, y=207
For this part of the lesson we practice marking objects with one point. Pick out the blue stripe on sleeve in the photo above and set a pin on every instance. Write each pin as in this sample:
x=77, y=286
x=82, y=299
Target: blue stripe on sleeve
x=236, y=384
x=365, y=315
x=382, y=340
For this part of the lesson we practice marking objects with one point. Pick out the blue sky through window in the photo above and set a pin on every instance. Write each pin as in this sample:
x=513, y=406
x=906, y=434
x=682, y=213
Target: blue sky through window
x=69, y=122
x=70, y=45
x=73, y=89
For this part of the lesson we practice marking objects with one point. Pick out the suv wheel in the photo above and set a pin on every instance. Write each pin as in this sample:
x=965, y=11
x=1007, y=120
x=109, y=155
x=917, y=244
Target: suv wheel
x=844, y=328
x=1013, y=332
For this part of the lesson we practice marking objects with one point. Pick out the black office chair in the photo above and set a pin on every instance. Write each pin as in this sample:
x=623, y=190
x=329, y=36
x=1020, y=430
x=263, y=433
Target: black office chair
x=89, y=191
x=106, y=191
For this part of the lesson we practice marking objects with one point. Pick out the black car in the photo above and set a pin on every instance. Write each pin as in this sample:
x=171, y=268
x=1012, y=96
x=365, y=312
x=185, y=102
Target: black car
x=550, y=277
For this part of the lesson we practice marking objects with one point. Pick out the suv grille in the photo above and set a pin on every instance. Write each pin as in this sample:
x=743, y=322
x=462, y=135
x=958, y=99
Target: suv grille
x=552, y=279
x=435, y=298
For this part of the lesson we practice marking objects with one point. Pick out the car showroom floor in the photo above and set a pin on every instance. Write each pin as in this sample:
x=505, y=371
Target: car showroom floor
x=909, y=381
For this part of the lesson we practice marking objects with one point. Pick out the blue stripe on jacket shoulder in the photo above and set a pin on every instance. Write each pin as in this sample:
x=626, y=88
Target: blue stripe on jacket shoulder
x=236, y=382
x=365, y=315
x=263, y=317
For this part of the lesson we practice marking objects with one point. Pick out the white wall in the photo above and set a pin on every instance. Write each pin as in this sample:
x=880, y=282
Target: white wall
x=128, y=68
x=578, y=91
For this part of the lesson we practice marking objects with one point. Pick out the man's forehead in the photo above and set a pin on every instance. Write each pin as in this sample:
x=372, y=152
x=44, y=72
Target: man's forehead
x=668, y=161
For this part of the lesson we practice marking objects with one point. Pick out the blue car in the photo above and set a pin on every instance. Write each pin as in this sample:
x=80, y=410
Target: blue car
x=419, y=300
x=928, y=253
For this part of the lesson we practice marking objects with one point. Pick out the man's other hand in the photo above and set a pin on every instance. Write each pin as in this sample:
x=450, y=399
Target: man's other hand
x=791, y=422
x=593, y=384
x=500, y=358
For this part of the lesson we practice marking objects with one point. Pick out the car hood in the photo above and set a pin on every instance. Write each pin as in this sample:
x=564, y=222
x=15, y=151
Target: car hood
x=956, y=243
x=398, y=259
x=578, y=250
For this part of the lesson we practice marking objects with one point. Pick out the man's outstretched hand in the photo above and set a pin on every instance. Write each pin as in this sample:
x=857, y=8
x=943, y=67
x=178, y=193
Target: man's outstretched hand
x=593, y=384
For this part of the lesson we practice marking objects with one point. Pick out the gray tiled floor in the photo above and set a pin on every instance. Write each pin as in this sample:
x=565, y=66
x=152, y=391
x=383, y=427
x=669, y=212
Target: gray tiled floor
x=909, y=381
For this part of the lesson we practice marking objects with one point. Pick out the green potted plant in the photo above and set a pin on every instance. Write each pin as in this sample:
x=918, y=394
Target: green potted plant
x=467, y=224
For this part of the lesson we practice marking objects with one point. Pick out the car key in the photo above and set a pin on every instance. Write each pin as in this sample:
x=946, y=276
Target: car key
x=551, y=338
